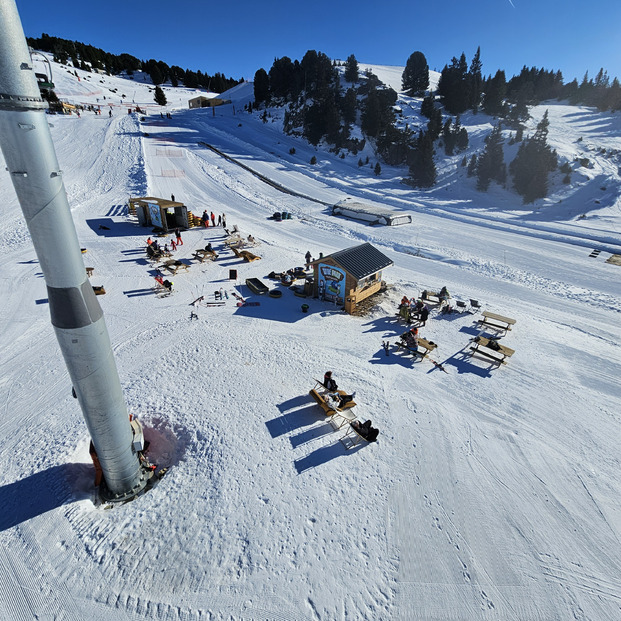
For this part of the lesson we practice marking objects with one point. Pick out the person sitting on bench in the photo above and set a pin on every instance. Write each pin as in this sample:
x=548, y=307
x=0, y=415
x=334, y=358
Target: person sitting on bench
x=208, y=247
x=343, y=400
x=328, y=383
x=444, y=295
x=168, y=285
x=410, y=339
x=365, y=430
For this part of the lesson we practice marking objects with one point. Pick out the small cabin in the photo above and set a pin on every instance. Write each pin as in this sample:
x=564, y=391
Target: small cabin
x=160, y=213
x=349, y=276
x=206, y=102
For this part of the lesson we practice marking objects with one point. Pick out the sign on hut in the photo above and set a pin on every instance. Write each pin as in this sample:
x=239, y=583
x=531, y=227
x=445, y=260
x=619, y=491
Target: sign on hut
x=370, y=213
x=349, y=276
x=160, y=213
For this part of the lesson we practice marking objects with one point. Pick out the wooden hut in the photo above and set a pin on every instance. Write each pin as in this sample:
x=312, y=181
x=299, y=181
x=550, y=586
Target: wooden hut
x=160, y=213
x=349, y=276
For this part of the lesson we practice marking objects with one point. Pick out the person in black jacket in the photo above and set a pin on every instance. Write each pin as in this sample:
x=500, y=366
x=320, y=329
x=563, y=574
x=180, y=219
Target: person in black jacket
x=329, y=384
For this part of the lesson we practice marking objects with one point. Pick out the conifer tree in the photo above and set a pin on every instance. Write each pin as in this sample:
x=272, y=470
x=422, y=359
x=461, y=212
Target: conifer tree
x=351, y=69
x=472, y=165
x=491, y=163
x=533, y=163
x=415, y=78
x=348, y=106
x=454, y=85
x=434, y=126
x=421, y=165
x=160, y=97
x=495, y=93
x=261, y=86
x=475, y=81
x=427, y=106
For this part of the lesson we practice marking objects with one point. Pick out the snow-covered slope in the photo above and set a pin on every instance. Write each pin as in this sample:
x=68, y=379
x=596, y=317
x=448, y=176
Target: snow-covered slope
x=492, y=493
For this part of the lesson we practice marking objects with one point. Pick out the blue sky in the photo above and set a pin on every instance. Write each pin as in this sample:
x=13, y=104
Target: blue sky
x=238, y=37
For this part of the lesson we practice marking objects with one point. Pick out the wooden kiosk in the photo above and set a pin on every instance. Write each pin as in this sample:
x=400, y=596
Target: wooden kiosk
x=160, y=213
x=349, y=276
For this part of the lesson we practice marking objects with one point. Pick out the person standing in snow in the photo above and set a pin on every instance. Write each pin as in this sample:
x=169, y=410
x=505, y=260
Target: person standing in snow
x=173, y=245
x=219, y=220
x=205, y=219
x=172, y=198
x=424, y=314
x=223, y=220
x=308, y=256
x=213, y=219
x=178, y=236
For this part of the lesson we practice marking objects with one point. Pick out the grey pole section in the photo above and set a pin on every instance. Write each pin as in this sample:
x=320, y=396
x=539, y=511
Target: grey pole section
x=77, y=318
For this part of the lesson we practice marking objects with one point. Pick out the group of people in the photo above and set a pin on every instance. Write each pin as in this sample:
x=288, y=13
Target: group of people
x=331, y=391
x=413, y=310
x=154, y=250
x=206, y=217
x=366, y=430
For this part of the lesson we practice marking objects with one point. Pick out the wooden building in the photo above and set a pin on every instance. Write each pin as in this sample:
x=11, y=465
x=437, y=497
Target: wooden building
x=349, y=276
x=206, y=102
x=160, y=213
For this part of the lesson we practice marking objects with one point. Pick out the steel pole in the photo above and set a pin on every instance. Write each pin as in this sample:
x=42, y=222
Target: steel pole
x=77, y=318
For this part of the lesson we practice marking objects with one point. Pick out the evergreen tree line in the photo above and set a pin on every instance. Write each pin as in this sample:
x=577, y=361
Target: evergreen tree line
x=322, y=109
x=87, y=58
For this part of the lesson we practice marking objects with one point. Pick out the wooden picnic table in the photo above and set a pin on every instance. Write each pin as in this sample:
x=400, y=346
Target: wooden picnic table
x=203, y=255
x=174, y=266
x=498, y=353
x=423, y=344
x=499, y=322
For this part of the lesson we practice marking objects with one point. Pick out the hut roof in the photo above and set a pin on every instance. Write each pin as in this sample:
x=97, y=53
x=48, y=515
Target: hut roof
x=162, y=202
x=361, y=261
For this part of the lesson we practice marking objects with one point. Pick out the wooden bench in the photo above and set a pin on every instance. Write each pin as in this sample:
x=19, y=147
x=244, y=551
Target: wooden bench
x=99, y=290
x=438, y=298
x=234, y=241
x=246, y=255
x=492, y=320
x=423, y=344
x=497, y=355
x=328, y=407
x=89, y=271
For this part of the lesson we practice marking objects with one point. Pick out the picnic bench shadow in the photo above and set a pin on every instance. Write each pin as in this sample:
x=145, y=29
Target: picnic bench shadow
x=323, y=455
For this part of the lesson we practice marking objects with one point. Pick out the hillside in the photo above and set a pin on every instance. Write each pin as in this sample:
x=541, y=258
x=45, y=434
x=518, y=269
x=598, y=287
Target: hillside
x=492, y=492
